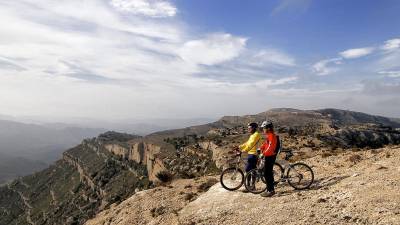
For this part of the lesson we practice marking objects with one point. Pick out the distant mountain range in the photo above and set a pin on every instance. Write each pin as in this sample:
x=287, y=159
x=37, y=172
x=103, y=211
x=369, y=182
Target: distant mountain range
x=12, y=167
x=39, y=142
x=132, y=126
x=25, y=148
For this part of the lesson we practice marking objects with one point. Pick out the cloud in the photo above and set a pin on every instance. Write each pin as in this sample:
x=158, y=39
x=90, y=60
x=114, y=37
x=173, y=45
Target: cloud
x=380, y=87
x=6, y=63
x=85, y=58
x=271, y=56
x=251, y=66
x=74, y=70
x=390, y=57
x=323, y=67
x=356, y=53
x=214, y=49
x=387, y=58
x=151, y=8
x=392, y=44
x=291, y=5
x=392, y=74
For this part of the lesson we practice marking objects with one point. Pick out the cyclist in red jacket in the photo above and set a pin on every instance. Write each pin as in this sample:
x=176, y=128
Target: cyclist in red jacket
x=269, y=150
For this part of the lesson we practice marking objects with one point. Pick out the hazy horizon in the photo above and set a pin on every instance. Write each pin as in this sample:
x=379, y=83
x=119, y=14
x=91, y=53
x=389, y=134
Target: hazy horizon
x=80, y=121
x=112, y=60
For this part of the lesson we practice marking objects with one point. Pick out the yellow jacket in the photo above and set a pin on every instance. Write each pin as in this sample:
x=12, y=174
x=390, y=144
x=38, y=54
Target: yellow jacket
x=251, y=145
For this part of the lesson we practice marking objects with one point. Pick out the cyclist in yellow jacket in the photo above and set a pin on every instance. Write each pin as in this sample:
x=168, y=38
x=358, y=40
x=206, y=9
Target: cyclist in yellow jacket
x=251, y=145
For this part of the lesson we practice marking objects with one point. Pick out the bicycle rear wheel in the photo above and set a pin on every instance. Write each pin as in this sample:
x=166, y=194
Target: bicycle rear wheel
x=254, y=181
x=232, y=178
x=278, y=173
x=300, y=176
x=277, y=170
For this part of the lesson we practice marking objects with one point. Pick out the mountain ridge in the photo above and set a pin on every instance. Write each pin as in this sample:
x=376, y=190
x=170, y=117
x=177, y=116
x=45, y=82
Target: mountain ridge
x=106, y=170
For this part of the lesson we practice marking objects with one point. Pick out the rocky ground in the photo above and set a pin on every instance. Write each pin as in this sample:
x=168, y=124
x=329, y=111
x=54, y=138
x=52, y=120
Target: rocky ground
x=350, y=187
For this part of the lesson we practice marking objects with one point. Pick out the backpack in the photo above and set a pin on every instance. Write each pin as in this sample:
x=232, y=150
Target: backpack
x=278, y=145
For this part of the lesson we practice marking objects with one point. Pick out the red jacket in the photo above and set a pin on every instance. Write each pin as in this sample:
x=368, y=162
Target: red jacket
x=269, y=146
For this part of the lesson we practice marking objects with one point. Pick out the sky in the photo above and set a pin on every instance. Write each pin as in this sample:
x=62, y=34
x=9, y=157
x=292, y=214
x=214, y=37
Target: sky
x=122, y=59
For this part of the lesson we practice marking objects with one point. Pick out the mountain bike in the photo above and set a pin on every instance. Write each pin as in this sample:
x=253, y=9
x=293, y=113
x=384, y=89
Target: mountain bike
x=299, y=175
x=233, y=177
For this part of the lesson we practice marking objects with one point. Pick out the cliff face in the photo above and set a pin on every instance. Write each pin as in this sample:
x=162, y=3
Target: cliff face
x=86, y=180
x=142, y=153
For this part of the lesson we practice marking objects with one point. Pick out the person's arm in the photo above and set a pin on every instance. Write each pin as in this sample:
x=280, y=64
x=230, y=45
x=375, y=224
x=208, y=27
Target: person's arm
x=249, y=143
x=271, y=145
x=264, y=146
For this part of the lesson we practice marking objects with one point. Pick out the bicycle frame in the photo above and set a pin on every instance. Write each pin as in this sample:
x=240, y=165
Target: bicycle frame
x=286, y=168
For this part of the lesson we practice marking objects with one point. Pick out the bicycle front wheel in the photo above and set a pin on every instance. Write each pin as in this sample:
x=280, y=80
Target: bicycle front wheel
x=300, y=176
x=254, y=181
x=232, y=178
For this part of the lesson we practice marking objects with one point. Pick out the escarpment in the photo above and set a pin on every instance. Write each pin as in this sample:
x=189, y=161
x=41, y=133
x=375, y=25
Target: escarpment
x=85, y=181
x=143, y=153
x=110, y=168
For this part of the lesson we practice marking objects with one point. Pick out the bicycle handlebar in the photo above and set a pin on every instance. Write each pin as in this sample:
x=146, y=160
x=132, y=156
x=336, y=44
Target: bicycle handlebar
x=235, y=151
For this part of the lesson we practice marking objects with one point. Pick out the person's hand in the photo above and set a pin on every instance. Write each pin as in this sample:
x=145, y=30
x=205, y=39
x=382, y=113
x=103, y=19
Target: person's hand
x=237, y=150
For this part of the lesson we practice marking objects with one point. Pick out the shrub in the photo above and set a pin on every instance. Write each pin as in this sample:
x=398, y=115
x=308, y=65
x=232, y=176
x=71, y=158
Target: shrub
x=164, y=176
x=187, y=175
x=158, y=211
x=190, y=196
x=355, y=158
x=206, y=185
x=326, y=154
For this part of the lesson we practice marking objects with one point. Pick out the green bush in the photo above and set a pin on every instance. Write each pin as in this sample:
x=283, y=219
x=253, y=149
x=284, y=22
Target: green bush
x=164, y=176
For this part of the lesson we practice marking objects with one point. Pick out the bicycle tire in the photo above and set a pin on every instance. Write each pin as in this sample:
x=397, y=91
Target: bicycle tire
x=278, y=174
x=258, y=178
x=279, y=170
x=292, y=182
x=226, y=173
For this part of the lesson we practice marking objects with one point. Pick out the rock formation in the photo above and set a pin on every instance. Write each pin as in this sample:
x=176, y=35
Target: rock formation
x=104, y=171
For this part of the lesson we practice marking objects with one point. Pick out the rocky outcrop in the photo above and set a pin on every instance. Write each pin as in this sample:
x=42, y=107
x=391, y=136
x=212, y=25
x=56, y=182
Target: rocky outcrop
x=344, y=192
x=218, y=153
x=83, y=175
x=142, y=153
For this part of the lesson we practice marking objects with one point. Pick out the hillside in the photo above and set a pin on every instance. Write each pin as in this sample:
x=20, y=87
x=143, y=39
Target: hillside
x=12, y=167
x=104, y=171
x=27, y=148
x=362, y=191
x=40, y=142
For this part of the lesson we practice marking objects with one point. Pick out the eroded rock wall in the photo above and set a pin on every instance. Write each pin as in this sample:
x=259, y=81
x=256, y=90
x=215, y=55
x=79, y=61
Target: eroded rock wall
x=142, y=153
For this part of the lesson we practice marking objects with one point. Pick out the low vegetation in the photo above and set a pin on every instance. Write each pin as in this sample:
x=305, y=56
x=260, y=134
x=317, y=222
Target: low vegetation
x=164, y=176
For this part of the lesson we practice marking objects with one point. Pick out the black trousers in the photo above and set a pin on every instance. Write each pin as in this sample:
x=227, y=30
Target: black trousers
x=251, y=164
x=268, y=172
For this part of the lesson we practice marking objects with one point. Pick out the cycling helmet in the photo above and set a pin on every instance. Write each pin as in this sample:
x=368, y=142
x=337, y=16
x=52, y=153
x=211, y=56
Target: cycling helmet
x=267, y=124
x=253, y=125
